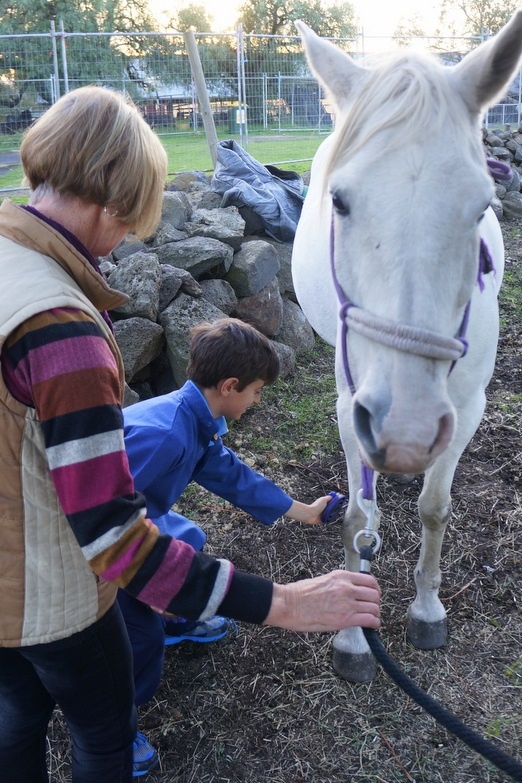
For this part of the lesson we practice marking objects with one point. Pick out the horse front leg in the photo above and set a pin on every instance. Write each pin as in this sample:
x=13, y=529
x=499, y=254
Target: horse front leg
x=352, y=658
x=426, y=618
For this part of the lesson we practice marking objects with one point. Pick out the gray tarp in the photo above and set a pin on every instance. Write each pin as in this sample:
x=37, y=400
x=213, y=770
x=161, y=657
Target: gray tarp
x=275, y=195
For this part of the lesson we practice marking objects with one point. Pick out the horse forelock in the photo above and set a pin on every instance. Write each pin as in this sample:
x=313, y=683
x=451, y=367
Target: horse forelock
x=409, y=95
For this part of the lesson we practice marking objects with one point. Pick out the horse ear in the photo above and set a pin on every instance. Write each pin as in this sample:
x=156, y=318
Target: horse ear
x=335, y=70
x=484, y=75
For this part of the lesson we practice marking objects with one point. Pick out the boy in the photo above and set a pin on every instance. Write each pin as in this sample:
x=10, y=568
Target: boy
x=174, y=439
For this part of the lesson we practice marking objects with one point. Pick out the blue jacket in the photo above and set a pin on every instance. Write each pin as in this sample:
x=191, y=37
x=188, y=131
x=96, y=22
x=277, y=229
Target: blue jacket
x=173, y=439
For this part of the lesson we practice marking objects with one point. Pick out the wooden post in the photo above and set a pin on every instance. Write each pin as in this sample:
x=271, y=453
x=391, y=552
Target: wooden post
x=203, y=99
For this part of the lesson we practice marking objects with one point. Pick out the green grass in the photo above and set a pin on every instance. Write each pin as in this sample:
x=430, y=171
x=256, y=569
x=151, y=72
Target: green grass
x=293, y=402
x=191, y=152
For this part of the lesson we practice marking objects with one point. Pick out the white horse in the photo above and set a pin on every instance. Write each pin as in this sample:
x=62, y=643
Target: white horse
x=393, y=226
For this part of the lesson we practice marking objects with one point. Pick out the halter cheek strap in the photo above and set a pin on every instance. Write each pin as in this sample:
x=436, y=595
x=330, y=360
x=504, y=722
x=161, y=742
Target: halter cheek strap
x=402, y=337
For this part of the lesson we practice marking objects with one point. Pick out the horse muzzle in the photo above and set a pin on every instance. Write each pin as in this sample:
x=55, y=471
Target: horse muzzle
x=409, y=443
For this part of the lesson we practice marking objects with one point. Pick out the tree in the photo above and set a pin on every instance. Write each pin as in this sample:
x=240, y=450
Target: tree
x=26, y=63
x=410, y=28
x=277, y=17
x=477, y=17
x=195, y=17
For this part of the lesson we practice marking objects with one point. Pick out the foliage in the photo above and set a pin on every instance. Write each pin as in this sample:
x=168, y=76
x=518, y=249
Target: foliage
x=277, y=17
x=194, y=17
x=477, y=17
x=26, y=64
x=406, y=29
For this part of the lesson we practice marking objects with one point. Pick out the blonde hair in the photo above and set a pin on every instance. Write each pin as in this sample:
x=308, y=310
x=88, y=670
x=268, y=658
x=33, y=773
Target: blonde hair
x=93, y=143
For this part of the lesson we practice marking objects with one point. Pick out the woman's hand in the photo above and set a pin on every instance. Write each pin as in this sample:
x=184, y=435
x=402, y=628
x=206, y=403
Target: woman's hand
x=340, y=599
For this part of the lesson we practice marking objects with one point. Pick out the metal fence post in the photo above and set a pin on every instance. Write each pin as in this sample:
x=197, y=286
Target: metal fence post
x=241, y=88
x=64, y=58
x=55, y=61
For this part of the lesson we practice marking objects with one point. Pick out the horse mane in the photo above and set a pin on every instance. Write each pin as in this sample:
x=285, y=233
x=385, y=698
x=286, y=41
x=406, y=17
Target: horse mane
x=406, y=92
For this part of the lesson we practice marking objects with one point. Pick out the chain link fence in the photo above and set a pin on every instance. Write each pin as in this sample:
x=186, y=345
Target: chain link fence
x=259, y=87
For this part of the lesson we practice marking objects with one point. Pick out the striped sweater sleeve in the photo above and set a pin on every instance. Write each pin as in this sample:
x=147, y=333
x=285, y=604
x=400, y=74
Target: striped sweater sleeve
x=59, y=363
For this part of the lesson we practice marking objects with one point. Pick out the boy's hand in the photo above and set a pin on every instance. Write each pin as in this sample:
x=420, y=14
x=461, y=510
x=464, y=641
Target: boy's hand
x=309, y=514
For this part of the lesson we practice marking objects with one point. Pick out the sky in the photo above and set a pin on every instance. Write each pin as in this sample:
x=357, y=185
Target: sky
x=377, y=17
x=381, y=17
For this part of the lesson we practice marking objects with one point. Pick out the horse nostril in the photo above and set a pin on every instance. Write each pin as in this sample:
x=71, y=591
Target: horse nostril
x=444, y=434
x=362, y=419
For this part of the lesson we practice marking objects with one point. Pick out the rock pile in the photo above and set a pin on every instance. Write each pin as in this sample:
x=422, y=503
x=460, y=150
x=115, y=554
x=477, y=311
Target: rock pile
x=506, y=145
x=203, y=263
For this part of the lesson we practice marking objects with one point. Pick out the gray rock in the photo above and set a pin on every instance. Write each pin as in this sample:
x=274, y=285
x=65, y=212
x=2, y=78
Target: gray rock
x=106, y=266
x=196, y=255
x=496, y=206
x=166, y=233
x=263, y=310
x=187, y=180
x=253, y=267
x=514, y=184
x=501, y=153
x=287, y=359
x=220, y=294
x=171, y=279
x=176, y=209
x=512, y=204
x=295, y=330
x=129, y=396
x=283, y=251
x=140, y=341
x=253, y=221
x=176, y=320
x=128, y=247
x=227, y=225
x=138, y=276
x=174, y=280
x=207, y=199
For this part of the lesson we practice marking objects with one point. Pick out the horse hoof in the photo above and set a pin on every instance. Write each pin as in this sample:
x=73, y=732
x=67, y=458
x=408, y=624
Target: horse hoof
x=427, y=636
x=354, y=667
x=402, y=478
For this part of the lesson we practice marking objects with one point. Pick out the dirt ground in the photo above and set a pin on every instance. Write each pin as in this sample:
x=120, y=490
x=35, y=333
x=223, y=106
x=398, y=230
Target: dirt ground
x=266, y=706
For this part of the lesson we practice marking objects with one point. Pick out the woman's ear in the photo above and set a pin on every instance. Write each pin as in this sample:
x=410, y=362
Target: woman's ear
x=227, y=385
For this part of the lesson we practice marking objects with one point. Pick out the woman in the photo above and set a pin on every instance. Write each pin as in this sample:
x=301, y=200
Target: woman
x=72, y=527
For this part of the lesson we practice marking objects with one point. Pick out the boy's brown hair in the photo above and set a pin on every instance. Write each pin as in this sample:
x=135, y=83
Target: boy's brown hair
x=230, y=348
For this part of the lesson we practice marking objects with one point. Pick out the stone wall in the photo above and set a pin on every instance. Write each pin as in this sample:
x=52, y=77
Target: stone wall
x=506, y=145
x=203, y=263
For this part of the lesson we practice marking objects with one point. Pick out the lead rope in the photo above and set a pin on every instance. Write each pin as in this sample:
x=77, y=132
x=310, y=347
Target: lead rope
x=484, y=747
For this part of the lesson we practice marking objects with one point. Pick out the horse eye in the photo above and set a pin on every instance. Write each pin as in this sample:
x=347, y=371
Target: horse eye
x=339, y=205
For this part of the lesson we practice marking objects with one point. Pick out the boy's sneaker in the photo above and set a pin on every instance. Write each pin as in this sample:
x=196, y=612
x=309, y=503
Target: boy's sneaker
x=144, y=755
x=201, y=631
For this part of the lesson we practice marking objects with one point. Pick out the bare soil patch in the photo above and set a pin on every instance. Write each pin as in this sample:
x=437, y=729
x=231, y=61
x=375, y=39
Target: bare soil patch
x=266, y=705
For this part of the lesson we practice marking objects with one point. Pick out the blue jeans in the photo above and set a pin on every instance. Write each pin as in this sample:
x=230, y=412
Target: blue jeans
x=146, y=628
x=89, y=676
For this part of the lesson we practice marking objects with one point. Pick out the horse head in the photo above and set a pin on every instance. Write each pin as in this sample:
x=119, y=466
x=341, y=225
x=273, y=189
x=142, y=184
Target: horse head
x=391, y=231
